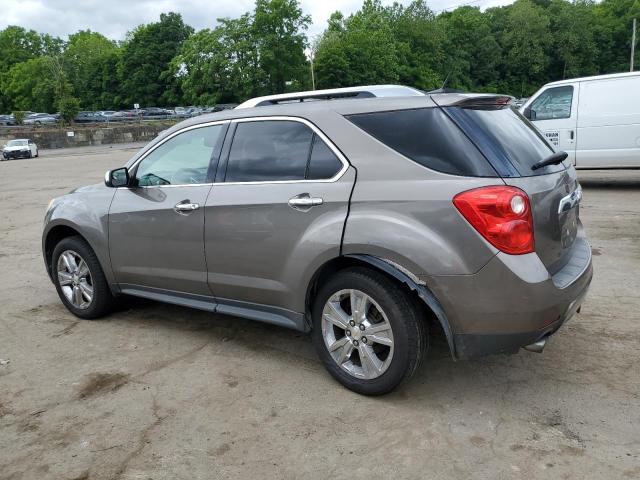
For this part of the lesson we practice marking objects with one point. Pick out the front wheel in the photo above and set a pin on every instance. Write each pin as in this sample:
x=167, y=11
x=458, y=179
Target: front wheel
x=368, y=331
x=79, y=279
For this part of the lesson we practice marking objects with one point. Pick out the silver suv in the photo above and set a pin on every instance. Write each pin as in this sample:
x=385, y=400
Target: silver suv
x=369, y=222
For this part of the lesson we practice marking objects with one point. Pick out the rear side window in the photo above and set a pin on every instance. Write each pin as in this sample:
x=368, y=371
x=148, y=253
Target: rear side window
x=323, y=163
x=277, y=150
x=506, y=137
x=266, y=151
x=428, y=137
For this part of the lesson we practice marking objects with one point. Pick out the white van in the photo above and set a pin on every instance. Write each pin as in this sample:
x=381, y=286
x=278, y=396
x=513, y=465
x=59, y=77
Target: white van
x=596, y=120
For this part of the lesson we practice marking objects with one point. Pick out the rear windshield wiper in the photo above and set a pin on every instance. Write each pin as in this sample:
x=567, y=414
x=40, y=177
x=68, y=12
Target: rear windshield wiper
x=553, y=159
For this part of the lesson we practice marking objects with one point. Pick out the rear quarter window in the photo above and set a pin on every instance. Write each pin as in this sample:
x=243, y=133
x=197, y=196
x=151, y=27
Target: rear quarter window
x=428, y=137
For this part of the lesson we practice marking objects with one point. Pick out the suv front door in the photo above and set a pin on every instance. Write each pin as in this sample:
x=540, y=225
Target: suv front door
x=274, y=215
x=156, y=225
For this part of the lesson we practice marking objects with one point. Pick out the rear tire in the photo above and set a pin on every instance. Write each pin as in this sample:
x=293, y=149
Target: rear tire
x=380, y=348
x=79, y=279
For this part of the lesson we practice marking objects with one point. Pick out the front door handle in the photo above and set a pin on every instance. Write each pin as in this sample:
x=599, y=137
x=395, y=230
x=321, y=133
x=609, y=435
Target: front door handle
x=186, y=206
x=304, y=202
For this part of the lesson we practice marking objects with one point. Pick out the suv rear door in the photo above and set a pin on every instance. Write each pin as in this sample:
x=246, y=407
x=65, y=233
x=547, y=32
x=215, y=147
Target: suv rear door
x=274, y=215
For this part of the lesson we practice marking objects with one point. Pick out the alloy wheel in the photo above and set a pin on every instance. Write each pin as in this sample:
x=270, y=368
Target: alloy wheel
x=357, y=334
x=75, y=279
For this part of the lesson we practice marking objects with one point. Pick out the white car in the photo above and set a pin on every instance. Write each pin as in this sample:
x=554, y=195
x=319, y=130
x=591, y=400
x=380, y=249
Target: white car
x=20, y=148
x=596, y=120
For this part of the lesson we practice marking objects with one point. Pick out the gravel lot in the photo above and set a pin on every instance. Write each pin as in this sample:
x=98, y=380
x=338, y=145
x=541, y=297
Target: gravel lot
x=163, y=392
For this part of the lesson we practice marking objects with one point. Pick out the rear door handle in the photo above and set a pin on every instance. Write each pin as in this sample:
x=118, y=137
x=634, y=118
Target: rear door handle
x=304, y=201
x=186, y=206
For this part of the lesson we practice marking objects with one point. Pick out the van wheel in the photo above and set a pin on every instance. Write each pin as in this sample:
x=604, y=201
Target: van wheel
x=367, y=331
x=79, y=279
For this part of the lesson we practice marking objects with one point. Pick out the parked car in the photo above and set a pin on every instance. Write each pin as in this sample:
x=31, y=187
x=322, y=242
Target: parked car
x=7, y=120
x=596, y=120
x=41, y=119
x=89, y=117
x=19, y=148
x=462, y=217
x=158, y=113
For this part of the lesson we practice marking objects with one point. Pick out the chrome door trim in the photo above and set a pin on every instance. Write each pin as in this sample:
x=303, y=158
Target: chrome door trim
x=169, y=137
x=313, y=127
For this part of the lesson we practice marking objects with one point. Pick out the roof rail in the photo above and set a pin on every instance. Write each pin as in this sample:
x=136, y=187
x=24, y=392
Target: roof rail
x=368, y=91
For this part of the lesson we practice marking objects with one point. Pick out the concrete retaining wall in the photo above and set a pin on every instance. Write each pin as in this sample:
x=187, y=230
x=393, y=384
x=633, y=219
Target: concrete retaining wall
x=82, y=136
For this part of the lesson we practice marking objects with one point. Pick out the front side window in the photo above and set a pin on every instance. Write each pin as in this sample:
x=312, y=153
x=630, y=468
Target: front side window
x=279, y=150
x=182, y=160
x=553, y=103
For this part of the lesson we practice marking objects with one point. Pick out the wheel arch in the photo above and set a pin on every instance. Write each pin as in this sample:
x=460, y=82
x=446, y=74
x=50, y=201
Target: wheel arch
x=59, y=231
x=420, y=290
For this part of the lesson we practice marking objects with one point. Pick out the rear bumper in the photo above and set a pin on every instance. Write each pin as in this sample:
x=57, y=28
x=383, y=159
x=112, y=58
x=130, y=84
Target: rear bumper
x=513, y=301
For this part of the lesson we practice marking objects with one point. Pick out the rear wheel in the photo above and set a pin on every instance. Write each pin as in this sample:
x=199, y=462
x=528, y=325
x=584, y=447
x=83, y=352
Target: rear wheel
x=367, y=331
x=79, y=279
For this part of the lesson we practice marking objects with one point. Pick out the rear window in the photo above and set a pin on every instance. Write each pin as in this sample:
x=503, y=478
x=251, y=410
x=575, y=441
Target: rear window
x=510, y=142
x=428, y=137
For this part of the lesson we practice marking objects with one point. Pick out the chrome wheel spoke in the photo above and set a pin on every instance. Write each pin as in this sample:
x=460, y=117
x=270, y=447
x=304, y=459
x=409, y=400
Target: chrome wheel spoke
x=77, y=296
x=87, y=290
x=380, y=333
x=371, y=364
x=358, y=305
x=336, y=315
x=69, y=262
x=83, y=270
x=65, y=278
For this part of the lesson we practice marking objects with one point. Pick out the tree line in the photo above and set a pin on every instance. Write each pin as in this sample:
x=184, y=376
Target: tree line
x=512, y=49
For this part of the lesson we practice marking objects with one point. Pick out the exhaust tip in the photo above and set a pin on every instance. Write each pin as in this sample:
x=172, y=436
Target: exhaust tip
x=536, y=347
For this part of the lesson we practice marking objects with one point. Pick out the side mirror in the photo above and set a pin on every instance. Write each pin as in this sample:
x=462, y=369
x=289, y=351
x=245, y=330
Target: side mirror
x=118, y=177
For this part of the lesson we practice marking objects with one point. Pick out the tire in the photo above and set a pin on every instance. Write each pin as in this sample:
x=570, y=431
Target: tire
x=30, y=154
x=101, y=301
x=391, y=310
x=37, y=153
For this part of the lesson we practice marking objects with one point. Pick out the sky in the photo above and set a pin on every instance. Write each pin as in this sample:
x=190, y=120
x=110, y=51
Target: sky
x=114, y=18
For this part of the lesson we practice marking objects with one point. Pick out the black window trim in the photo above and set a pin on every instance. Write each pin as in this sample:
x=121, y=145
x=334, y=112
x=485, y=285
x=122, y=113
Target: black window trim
x=222, y=168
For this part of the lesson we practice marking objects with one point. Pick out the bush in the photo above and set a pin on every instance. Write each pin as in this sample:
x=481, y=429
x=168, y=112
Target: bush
x=69, y=108
x=19, y=116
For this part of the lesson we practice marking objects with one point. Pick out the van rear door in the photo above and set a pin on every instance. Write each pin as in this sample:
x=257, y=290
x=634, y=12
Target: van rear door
x=554, y=111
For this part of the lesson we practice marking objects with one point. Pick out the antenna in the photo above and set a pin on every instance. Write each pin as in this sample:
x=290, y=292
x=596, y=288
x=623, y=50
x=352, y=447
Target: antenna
x=446, y=79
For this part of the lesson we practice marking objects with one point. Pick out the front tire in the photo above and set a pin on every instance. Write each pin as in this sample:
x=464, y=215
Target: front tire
x=368, y=331
x=79, y=279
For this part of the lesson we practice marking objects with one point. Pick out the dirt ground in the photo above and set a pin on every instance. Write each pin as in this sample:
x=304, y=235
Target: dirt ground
x=163, y=392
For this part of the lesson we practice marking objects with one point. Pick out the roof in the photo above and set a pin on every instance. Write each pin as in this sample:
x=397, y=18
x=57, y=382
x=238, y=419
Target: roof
x=332, y=93
x=595, y=77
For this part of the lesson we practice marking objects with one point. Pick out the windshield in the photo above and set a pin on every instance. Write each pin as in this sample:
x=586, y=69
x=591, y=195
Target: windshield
x=504, y=135
x=17, y=143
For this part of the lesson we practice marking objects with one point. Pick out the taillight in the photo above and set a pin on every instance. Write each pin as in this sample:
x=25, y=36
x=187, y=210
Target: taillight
x=502, y=215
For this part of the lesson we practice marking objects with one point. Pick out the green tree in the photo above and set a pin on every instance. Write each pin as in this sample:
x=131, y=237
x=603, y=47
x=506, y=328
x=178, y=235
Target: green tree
x=18, y=45
x=145, y=66
x=69, y=107
x=85, y=57
x=30, y=85
x=278, y=28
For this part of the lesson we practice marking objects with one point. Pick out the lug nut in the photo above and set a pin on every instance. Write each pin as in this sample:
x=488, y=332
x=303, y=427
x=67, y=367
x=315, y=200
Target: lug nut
x=355, y=342
x=364, y=340
x=361, y=326
x=352, y=323
x=348, y=332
